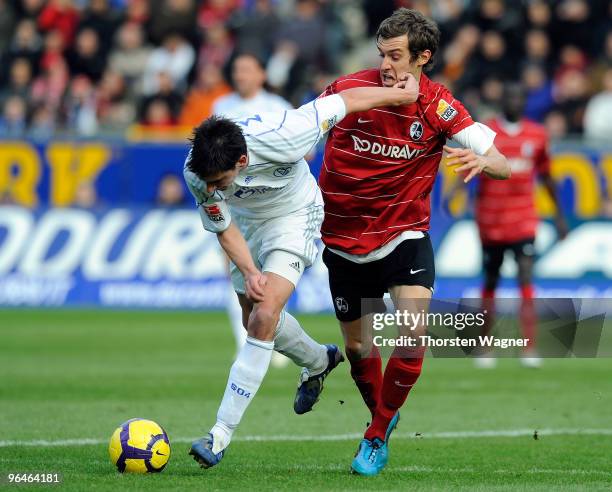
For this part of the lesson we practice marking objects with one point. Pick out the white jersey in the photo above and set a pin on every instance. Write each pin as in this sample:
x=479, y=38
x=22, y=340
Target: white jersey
x=277, y=180
x=235, y=107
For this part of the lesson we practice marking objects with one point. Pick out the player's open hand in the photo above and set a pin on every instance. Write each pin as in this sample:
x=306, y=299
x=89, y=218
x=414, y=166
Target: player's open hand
x=409, y=83
x=254, y=286
x=465, y=160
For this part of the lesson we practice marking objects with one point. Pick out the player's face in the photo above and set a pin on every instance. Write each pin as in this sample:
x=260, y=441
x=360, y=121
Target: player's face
x=514, y=103
x=395, y=60
x=223, y=180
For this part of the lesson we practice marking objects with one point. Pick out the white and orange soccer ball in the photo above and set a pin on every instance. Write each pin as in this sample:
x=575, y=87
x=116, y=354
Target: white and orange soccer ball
x=139, y=446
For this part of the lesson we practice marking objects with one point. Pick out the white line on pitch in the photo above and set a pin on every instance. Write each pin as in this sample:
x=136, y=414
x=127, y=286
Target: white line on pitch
x=335, y=437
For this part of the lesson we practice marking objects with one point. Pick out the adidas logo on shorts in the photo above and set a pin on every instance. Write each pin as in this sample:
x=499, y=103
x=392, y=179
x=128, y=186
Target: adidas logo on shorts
x=296, y=266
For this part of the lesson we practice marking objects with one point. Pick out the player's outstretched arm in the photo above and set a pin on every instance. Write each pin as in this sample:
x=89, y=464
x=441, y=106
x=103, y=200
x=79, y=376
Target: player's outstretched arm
x=364, y=98
x=236, y=248
x=492, y=163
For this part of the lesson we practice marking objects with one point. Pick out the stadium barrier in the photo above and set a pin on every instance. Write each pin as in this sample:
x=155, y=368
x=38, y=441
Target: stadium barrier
x=129, y=253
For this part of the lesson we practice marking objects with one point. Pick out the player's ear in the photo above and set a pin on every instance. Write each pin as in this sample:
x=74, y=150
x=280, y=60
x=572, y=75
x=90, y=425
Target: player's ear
x=242, y=162
x=423, y=58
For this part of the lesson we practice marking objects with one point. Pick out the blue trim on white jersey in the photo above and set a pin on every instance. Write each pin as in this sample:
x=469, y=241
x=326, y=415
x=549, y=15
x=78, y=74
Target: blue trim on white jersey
x=269, y=131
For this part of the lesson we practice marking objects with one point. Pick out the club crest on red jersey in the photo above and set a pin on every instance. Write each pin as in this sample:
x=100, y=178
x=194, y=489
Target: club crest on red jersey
x=446, y=111
x=416, y=130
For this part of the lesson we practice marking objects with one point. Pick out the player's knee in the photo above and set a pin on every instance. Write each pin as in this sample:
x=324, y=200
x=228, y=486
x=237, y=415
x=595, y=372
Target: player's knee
x=356, y=349
x=262, y=322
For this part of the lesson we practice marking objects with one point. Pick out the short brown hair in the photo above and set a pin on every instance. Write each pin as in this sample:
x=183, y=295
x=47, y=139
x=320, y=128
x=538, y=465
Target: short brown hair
x=423, y=33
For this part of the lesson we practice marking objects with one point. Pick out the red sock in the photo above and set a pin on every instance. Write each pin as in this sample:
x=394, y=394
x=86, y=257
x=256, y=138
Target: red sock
x=400, y=376
x=367, y=374
x=528, y=315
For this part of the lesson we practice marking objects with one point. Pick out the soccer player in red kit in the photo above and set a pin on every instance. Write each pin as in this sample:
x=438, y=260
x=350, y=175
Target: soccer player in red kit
x=378, y=171
x=505, y=211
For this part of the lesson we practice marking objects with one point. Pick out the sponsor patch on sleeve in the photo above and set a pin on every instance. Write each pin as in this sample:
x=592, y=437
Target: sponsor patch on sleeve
x=328, y=123
x=446, y=111
x=213, y=212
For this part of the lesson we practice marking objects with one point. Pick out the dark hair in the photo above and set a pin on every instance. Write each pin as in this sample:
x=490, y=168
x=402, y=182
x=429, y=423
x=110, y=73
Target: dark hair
x=423, y=33
x=216, y=146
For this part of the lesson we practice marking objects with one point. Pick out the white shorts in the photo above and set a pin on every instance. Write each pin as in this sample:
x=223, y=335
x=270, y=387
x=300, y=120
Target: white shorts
x=284, y=245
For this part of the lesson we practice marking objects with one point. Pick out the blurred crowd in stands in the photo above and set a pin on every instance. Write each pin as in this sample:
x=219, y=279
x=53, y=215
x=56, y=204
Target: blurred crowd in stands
x=103, y=67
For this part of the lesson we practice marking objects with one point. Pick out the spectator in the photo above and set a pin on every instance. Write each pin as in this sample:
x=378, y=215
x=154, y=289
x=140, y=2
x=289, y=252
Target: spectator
x=213, y=12
x=49, y=87
x=503, y=18
x=299, y=39
x=115, y=110
x=80, y=107
x=158, y=116
x=103, y=20
x=173, y=16
x=13, y=120
x=209, y=86
x=572, y=95
x=305, y=30
x=170, y=192
x=492, y=59
x=26, y=43
x=217, y=47
x=597, y=120
x=42, y=124
x=574, y=25
x=538, y=49
x=87, y=57
x=255, y=29
x=138, y=12
x=59, y=15
x=30, y=9
x=168, y=94
x=457, y=54
x=53, y=50
x=8, y=20
x=131, y=55
x=539, y=15
x=248, y=79
x=20, y=80
x=539, y=92
x=175, y=57
x=556, y=125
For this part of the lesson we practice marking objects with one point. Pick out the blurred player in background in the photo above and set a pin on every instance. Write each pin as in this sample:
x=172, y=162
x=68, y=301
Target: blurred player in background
x=249, y=97
x=506, y=216
x=378, y=172
x=254, y=189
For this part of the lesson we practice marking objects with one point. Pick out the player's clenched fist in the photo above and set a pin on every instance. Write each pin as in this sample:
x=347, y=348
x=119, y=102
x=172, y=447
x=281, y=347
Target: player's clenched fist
x=254, y=286
x=409, y=83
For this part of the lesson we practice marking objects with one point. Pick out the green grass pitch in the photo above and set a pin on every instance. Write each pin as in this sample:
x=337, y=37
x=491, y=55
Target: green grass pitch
x=71, y=376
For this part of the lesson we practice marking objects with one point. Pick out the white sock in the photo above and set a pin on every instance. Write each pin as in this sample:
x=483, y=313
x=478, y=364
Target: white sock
x=234, y=313
x=244, y=380
x=291, y=340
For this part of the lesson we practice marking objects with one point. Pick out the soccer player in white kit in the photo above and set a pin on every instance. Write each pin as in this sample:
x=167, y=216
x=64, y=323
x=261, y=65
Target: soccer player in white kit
x=249, y=98
x=254, y=190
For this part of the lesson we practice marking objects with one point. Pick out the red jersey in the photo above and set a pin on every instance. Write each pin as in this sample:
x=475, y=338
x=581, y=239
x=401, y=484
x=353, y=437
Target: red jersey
x=505, y=209
x=380, y=165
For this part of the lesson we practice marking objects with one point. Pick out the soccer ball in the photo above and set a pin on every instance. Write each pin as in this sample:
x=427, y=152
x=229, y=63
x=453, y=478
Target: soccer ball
x=139, y=446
